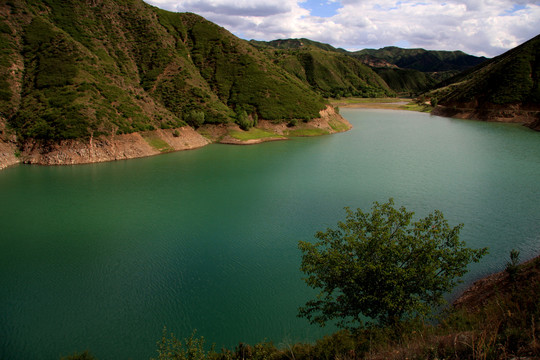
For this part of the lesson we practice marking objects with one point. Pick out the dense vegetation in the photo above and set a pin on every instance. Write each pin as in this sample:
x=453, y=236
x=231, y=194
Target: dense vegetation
x=75, y=69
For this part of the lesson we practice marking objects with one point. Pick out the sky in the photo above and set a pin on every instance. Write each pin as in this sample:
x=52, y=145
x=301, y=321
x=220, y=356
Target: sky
x=477, y=27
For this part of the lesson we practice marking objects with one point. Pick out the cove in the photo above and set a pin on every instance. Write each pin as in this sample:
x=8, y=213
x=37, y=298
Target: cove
x=103, y=256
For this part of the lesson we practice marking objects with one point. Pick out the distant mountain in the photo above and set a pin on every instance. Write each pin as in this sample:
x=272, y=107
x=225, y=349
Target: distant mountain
x=424, y=60
x=294, y=44
x=505, y=88
x=72, y=69
x=405, y=71
x=414, y=71
x=328, y=71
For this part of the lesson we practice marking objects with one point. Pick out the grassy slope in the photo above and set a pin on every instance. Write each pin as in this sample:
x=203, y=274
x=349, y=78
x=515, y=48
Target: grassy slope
x=73, y=69
x=511, y=78
x=327, y=70
x=407, y=80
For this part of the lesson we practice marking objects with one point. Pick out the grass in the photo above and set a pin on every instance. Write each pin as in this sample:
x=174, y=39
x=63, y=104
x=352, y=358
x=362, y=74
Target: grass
x=338, y=126
x=307, y=132
x=157, y=143
x=383, y=103
x=412, y=106
x=359, y=100
x=253, y=134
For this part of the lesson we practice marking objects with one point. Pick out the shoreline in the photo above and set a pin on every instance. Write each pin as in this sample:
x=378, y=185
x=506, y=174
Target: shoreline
x=486, y=288
x=150, y=143
x=382, y=103
x=508, y=114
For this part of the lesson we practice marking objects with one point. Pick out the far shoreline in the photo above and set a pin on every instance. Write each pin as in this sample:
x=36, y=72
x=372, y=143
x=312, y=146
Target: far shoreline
x=381, y=103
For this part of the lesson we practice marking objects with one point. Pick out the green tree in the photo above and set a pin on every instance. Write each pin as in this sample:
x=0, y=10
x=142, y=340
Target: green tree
x=512, y=267
x=195, y=118
x=243, y=120
x=383, y=266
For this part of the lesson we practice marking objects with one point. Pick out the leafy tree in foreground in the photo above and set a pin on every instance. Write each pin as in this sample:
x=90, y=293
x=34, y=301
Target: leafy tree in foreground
x=383, y=266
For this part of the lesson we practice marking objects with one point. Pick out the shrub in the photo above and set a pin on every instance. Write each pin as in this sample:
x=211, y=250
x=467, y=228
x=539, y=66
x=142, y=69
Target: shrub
x=195, y=118
x=243, y=120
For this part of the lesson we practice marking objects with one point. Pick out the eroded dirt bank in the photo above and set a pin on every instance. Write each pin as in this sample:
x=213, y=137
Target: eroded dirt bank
x=7, y=154
x=118, y=147
x=136, y=145
x=488, y=288
x=516, y=114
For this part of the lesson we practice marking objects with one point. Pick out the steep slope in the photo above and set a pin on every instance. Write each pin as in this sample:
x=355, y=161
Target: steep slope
x=328, y=71
x=77, y=70
x=505, y=88
x=406, y=81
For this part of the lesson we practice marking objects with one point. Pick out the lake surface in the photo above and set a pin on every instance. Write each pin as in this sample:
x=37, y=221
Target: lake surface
x=103, y=256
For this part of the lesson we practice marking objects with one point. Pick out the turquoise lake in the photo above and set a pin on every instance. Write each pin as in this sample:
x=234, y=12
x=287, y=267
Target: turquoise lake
x=103, y=256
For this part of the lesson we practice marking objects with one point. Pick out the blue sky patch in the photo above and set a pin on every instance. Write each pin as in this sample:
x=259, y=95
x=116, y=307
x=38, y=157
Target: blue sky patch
x=321, y=8
x=515, y=8
x=403, y=44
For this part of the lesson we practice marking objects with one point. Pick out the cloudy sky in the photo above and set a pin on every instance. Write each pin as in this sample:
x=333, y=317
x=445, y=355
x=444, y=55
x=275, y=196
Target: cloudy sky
x=478, y=27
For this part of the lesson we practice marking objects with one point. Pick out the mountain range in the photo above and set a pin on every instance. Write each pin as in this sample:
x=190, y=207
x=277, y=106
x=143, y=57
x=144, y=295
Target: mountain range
x=85, y=74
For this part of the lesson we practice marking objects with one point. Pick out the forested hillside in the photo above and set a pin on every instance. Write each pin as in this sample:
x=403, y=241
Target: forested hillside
x=78, y=69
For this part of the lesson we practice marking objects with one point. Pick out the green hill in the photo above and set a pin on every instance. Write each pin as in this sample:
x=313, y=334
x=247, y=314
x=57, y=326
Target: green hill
x=505, y=88
x=74, y=69
x=407, y=81
x=329, y=71
x=294, y=44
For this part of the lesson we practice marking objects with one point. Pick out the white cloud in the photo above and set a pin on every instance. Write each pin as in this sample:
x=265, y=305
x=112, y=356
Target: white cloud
x=479, y=27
